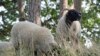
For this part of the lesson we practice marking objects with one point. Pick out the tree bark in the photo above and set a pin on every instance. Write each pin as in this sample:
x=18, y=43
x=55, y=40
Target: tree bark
x=34, y=11
x=77, y=5
x=63, y=5
x=21, y=7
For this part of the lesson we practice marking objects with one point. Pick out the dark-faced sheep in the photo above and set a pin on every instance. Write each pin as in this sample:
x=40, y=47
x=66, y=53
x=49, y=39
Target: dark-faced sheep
x=68, y=28
x=30, y=39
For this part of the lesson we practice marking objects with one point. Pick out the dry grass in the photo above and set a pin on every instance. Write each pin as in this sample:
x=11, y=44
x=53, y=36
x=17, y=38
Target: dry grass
x=80, y=51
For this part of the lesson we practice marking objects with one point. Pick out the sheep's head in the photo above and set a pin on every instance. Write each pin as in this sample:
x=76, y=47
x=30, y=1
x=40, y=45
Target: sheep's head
x=72, y=15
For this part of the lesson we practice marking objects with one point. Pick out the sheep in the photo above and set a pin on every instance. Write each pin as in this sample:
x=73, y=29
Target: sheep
x=30, y=39
x=6, y=49
x=68, y=28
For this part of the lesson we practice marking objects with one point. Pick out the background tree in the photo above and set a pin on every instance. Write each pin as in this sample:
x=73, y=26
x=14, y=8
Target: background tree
x=77, y=5
x=34, y=11
x=21, y=7
x=63, y=5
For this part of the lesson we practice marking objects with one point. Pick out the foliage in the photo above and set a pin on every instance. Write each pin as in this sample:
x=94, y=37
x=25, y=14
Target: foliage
x=91, y=20
x=8, y=17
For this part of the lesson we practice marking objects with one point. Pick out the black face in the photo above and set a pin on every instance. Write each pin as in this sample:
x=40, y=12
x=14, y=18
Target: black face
x=72, y=15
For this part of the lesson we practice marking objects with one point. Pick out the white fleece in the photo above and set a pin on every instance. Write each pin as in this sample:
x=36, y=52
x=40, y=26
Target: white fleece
x=31, y=36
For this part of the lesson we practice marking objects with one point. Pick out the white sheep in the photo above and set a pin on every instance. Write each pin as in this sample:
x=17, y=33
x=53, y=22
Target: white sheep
x=6, y=49
x=30, y=39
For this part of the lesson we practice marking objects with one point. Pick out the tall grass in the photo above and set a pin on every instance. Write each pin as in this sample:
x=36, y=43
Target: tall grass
x=80, y=51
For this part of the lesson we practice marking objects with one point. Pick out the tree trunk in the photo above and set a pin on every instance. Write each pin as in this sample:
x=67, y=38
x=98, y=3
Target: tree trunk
x=63, y=5
x=21, y=7
x=77, y=5
x=34, y=11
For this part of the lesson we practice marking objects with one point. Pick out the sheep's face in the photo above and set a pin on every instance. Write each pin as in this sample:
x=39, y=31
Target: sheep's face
x=72, y=15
